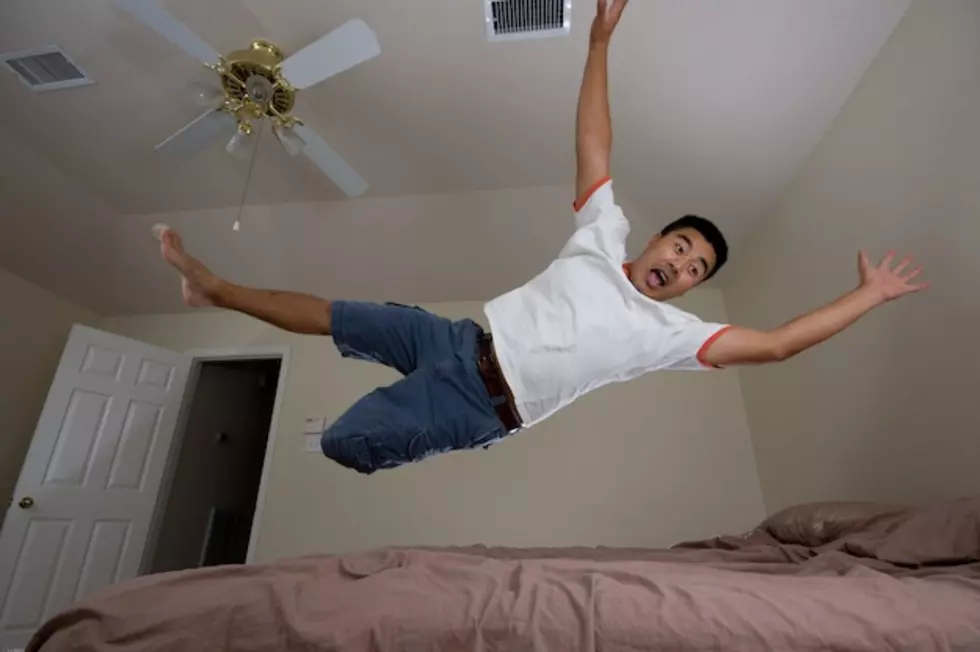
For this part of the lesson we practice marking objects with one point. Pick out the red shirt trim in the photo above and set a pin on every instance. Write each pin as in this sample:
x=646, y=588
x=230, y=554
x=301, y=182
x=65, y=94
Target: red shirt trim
x=584, y=199
x=707, y=343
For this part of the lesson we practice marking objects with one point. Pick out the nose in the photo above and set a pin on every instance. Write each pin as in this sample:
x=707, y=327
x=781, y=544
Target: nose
x=679, y=261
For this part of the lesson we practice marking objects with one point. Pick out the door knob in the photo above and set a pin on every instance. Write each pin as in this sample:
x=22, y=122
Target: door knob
x=26, y=502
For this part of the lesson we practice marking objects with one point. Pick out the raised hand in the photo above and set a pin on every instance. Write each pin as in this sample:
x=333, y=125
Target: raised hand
x=606, y=18
x=887, y=281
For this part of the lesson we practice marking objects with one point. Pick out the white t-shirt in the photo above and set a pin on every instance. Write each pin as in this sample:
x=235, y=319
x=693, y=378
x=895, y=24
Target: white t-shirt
x=580, y=324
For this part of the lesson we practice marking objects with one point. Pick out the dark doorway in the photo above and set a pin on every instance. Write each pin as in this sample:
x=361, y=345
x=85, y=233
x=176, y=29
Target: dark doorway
x=207, y=516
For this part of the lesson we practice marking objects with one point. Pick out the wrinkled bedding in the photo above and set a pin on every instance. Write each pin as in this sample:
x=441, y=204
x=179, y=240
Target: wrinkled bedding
x=829, y=576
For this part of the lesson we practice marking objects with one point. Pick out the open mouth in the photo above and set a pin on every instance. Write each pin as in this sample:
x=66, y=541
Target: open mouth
x=658, y=278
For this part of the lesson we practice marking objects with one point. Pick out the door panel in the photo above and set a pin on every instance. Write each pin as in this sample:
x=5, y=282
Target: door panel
x=86, y=493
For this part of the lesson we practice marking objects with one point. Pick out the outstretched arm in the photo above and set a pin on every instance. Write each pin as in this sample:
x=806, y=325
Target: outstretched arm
x=879, y=284
x=593, y=131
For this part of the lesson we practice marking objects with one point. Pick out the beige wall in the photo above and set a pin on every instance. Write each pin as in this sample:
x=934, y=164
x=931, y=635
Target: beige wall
x=887, y=410
x=34, y=326
x=48, y=226
x=663, y=458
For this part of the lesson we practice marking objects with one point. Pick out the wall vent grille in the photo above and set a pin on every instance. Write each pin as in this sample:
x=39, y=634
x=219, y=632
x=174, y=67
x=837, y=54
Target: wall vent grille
x=46, y=69
x=523, y=19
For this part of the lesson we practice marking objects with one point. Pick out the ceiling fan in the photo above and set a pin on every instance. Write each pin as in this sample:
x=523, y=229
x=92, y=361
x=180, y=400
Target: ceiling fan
x=259, y=82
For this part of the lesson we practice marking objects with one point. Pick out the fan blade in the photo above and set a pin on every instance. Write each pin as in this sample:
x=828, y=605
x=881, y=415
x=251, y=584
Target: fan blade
x=163, y=23
x=196, y=134
x=335, y=167
x=345, y=47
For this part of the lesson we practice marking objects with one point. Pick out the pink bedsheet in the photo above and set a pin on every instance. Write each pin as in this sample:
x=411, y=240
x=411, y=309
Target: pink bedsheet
x=893, y=580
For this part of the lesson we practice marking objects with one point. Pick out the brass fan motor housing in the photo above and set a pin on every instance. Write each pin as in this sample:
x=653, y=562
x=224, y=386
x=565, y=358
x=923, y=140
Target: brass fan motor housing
x=262, y=58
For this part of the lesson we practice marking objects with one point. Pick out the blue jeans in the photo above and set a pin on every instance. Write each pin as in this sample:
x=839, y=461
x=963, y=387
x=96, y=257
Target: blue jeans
x=440, y=405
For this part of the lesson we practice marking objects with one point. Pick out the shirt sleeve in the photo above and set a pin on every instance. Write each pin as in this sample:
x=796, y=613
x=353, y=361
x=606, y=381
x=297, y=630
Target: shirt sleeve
x=685, y=346
x=600, y=225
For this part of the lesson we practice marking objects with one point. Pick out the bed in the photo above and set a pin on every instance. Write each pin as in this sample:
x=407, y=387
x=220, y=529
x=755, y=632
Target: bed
x=825, y=576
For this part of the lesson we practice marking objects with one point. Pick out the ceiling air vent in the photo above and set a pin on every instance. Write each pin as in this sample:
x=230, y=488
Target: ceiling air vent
x=521, y=19
x=46, y=69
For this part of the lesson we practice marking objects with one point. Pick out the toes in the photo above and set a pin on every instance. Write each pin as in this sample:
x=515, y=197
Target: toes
x=172, y=239
x=158, y=231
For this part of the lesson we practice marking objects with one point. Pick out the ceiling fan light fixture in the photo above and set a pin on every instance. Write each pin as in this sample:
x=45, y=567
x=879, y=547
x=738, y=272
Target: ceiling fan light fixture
x=259, y=90
x=289, y=140
x=236, y=144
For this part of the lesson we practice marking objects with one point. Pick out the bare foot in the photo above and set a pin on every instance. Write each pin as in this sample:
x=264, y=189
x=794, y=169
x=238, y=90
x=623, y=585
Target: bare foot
x=198, y=284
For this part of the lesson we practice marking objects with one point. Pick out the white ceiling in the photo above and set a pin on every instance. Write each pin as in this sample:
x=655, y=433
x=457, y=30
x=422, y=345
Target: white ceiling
x=716, y=105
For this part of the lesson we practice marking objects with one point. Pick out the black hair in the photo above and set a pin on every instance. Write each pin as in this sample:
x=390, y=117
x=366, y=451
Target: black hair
x=708, y=231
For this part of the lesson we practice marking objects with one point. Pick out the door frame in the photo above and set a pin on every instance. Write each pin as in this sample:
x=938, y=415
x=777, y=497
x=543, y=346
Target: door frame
x=198, y=358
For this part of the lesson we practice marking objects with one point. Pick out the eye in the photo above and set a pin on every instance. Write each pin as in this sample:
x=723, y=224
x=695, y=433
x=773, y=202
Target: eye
x=694, y=270
x=679, y=248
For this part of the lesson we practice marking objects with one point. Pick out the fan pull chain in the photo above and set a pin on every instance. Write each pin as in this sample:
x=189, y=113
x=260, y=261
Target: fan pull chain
x=237, y=226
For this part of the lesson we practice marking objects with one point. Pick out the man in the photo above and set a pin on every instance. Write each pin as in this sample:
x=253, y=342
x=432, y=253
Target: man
x=589, y=319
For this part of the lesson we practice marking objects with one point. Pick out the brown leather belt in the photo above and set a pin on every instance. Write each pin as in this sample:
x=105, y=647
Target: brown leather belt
x=493, y=378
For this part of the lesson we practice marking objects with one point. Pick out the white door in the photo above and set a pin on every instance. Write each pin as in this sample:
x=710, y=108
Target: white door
x=87, y=491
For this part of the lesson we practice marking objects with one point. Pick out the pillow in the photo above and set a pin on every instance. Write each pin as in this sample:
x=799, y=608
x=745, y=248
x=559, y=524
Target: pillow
x=946, y=533
x=816, y=524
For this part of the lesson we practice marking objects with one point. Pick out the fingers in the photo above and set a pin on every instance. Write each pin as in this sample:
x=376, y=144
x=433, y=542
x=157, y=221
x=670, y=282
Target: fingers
x=903, y=264
x=612, y=12
x=915, y=287
x=886, y=263
x=863, y=262
x=911, y=275
x=618, y=6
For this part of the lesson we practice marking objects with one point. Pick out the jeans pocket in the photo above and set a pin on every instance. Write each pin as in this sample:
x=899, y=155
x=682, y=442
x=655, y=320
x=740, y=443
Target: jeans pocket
x=403, y=305
x=391, y=449
x=489, y=438
x=423, y=445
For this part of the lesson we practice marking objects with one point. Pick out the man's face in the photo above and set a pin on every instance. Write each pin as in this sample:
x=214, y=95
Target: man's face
x=672, y=264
